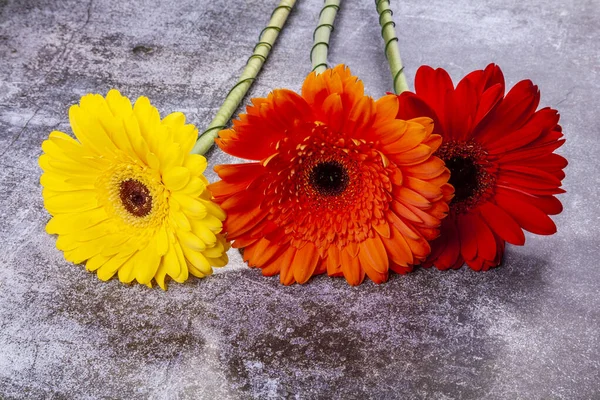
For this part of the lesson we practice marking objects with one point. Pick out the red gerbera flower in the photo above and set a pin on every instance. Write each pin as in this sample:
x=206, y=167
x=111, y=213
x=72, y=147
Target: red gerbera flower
x=339, y=184
x=499, y=150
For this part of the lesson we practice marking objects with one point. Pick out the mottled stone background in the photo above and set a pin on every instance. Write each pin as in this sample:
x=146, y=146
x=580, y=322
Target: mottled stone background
x=526, y=330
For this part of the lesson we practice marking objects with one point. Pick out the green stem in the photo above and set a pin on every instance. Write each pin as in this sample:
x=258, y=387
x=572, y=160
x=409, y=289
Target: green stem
x=318, y=53
x=392, y=52
x=261, y=51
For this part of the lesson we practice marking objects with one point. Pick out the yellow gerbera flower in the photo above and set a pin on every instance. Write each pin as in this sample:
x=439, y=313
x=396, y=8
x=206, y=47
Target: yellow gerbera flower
x=127, y=196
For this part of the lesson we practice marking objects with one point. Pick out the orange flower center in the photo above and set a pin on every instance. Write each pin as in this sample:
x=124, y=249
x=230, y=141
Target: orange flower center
x=324, y=188
x=135, y=197
x=471, y=173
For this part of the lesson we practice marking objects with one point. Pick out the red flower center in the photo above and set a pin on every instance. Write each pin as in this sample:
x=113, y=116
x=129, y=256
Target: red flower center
x=471, y=173
x=135, y=197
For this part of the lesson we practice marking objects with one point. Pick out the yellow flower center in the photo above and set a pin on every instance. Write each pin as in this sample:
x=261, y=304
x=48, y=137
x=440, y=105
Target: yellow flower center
x=135, y=194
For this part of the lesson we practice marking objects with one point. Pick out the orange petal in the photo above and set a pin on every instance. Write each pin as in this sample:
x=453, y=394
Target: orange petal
x=286, y=276
x=305, y=262
x=373, y=252
x=351, y=269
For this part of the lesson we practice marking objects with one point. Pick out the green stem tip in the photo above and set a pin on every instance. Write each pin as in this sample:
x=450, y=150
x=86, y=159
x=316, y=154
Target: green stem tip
x=255, y=62
x=318, y=53
x=392, y=52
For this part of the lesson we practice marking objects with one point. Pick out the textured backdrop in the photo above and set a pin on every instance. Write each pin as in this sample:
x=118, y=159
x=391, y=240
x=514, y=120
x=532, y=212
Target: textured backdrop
x=526, y=330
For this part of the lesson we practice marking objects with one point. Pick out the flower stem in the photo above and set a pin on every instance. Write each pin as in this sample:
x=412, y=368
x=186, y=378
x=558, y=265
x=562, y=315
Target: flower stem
x=261, y=51
x=392, y=52
x=318, y=53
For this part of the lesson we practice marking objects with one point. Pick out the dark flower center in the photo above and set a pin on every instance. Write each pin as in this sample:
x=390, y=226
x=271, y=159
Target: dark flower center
x=463, y=176
x=329, y=178
x=471, y=173
x=135, y=197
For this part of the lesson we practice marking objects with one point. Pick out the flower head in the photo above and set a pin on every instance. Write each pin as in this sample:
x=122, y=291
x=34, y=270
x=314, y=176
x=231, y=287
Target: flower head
x=337, y=185
x=127, y=197
x=500, y=152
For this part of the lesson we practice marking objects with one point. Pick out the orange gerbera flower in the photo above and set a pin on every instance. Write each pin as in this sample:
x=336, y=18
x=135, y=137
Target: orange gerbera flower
x=500, y=152
x=339, y=185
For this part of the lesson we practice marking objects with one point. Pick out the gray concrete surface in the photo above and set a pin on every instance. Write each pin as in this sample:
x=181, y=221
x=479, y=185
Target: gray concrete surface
x=526, y=330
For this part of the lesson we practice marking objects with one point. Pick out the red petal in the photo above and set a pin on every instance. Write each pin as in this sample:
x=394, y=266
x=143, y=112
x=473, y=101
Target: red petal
x=511, y=114
x=541, y=121
x=486, y=242
x=502, y=224
x=529, y=176
x=487, y=101
x=432, y=86
x=411, y=106
x=528, y=216
x=548, y=204
x=530, y=152
x=451, y=253
x=468, y=237
x=461, y=106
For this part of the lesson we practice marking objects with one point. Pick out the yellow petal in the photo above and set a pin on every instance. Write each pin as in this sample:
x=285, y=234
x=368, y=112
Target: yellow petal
x=219, y=261
x=68, y=223
x=195, y=187
x=172, y=156
x=171, y=263
x=185, y=135
x=196, y=272
x=147, y=264
x=174, y=120
x=183, y=275
x=84, y=251
x=66, y=168
x=215, y=251
x=127, y=245
x=214, y=209
x=147, y=116
x=176, y=178
x=195, y=163
x=63, y=184
x=96, y=262
x=162, y=241
x=119, y=105
x=101, y=229
x=126, y=274
x=197, y=260
x=179, y=219
x=203, y=232
x=70, y=202
x=160, y=275
x=135, y=139
x=191, y=241
x=191, y=206
x=67, y=242
x=212, y=223
x=88, y=129
x=109, y=268
x=153, y=161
